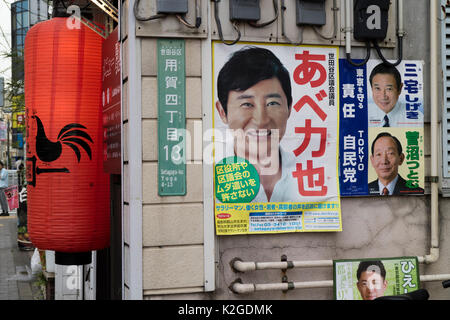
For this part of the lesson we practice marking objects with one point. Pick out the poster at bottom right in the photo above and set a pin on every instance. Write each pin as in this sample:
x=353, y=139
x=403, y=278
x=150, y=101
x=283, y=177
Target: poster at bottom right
x=368, y=279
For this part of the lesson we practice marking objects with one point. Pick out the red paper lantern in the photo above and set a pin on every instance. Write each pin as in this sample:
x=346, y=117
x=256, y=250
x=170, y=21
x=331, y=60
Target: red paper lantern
x=68, y=192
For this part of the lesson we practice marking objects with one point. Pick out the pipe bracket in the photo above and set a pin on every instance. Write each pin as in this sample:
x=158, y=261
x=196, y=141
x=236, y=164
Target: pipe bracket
x=289, y=264
x=290, y=284
x=432, y=179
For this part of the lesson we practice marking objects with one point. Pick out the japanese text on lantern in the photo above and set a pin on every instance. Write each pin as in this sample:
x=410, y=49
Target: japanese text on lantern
x=311, y=74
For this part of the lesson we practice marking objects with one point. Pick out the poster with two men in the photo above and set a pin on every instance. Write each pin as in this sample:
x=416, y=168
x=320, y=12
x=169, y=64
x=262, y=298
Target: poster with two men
x=293, y=133
x=381, y=120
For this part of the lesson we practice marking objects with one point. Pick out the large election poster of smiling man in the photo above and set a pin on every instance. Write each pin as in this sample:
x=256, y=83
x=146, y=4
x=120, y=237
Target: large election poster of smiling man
x=382, y=143
x=275, y=120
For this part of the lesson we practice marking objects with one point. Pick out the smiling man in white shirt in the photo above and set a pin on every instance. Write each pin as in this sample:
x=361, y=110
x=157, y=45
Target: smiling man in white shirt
x=255, y=99
x=386, y=85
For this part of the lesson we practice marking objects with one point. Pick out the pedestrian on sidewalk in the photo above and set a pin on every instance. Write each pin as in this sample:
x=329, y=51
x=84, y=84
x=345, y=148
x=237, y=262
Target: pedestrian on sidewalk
x=3, y=186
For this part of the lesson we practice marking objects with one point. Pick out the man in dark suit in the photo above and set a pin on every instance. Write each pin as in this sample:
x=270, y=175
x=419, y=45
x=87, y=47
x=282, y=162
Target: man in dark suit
x=387, y=155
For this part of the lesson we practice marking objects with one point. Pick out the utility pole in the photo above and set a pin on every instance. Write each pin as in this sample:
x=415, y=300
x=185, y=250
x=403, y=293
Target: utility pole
x=8, y=158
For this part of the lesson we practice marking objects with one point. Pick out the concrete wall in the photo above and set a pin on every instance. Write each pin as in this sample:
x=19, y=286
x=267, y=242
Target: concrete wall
x=172, y=248
x=170, y=228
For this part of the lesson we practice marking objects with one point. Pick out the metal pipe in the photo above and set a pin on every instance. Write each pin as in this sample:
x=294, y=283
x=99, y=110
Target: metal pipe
x=434, y=277
x=241, y=288
x=434, y=125
x=245, y=266
x=133, y=144
x=400, y=30
x=348, y=26
x=242, y=266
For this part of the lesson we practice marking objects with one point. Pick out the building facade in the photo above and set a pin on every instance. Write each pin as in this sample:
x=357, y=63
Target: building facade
x=165, y=239
x=171, y=249
x=24, y=15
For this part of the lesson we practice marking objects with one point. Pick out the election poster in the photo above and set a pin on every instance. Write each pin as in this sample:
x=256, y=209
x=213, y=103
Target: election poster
x=276, y=145
x=368, y=279
x=381, y=129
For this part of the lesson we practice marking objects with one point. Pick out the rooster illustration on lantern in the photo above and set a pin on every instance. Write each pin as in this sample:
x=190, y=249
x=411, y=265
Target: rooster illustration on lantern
x=72, y=135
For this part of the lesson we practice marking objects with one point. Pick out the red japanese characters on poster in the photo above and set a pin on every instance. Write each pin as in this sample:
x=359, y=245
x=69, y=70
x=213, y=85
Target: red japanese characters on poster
x=275, y=138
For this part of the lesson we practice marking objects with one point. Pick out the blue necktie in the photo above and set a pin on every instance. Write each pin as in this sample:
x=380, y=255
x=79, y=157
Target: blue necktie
x=386, y=121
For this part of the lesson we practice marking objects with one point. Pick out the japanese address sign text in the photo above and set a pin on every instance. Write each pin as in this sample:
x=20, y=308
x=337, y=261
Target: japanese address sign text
x=171, y=117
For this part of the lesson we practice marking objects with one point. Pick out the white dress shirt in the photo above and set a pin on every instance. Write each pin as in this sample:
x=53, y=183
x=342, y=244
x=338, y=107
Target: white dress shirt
x=397, y=117
x=390, y=186
x=286, y=189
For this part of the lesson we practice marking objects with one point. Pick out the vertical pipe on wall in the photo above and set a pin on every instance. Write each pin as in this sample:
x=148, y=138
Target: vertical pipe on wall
x=134, y=145
x=244, y=288
x=122, y=144
x=348, y=26
x=434, y=125
x=210, y=246
x=400, y=30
